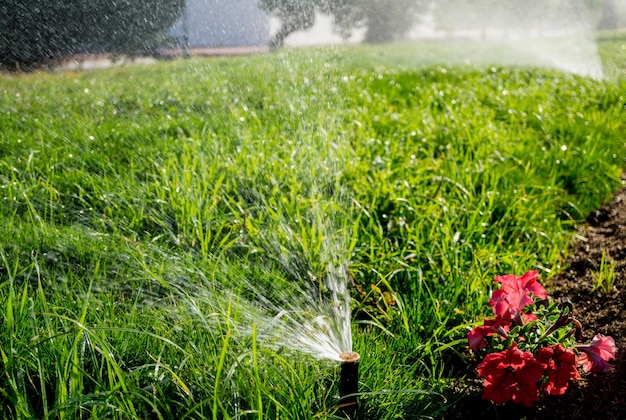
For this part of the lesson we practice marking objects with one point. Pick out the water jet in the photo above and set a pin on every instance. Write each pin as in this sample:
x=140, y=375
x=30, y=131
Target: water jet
x=349, y=382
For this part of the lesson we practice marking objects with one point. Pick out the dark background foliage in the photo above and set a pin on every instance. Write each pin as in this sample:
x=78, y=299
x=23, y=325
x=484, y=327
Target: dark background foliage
x=34, y=31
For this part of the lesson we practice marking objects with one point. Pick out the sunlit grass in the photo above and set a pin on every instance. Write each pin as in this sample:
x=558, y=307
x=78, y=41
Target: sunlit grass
x=138, y=205
x=605, y=275
x=612, y=50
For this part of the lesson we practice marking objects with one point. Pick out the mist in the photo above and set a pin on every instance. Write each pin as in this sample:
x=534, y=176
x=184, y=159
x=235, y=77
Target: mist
x=556, y=34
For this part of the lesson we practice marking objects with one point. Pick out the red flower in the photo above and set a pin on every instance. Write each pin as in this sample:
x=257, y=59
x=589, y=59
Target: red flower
x=515, y=294
x=527, y=282
x=511, y=375
x=476, y=337
x=595, y=356
x=561, y=367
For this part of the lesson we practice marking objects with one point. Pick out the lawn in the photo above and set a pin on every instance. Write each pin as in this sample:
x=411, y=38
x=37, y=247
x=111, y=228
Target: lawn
x=156, y=219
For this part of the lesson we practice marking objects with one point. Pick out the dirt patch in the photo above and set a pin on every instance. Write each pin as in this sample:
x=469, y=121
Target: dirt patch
x=600, y=396
x=595, y=396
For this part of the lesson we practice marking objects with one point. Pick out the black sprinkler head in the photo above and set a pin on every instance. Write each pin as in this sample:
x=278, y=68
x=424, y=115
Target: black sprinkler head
x=349, y=382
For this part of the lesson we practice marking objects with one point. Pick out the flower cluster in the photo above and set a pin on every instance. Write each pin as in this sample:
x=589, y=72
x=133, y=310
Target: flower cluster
x=530, y=344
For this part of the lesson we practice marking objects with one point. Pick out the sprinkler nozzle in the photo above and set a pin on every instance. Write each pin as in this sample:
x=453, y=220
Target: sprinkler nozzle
x=349, y=357
x=349, y=382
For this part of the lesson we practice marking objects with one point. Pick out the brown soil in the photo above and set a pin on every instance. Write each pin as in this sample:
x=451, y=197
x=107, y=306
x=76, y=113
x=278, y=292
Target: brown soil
x=595, y=396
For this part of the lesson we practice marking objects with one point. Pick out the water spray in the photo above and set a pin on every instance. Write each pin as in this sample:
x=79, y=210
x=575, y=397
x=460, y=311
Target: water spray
x=349, y=382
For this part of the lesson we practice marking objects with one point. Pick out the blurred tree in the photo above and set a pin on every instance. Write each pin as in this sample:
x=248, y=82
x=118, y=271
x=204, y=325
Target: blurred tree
x=387, y=21
x=33, y=32
x=384, y=20
x=294, y=15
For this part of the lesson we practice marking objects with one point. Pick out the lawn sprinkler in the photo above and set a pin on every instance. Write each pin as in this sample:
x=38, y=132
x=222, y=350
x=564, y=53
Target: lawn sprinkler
x=349, y=382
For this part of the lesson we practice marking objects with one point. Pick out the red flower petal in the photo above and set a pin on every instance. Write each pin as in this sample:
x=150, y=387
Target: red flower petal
x=529, y=283
x=511, y=375
x=476, y=337
x=596, y=355
x=516, y=293
x=561, y=367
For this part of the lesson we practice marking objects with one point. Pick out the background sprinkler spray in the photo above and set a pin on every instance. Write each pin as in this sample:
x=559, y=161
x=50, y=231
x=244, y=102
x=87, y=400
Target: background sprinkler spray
x=349, y=382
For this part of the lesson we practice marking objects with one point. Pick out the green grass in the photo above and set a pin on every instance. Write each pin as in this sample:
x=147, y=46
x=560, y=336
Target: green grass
x=612, y=50
x=605, y=276
x=136, y=199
